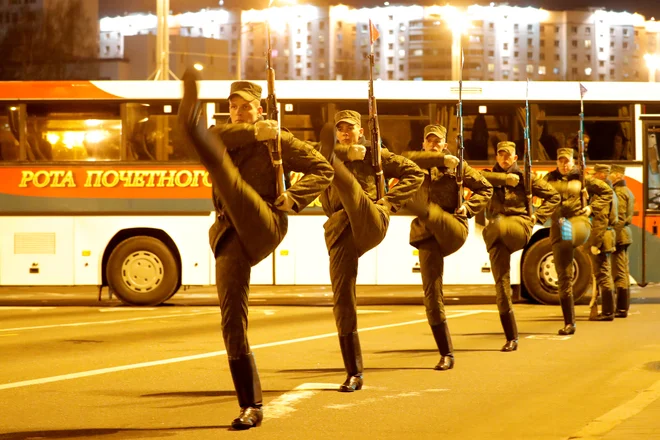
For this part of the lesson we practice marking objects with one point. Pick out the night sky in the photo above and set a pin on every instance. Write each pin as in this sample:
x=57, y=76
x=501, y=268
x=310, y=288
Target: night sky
x=649, y=8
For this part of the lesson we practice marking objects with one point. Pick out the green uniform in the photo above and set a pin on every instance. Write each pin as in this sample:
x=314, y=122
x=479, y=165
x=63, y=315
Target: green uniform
x=569, y=188
x=437, y=232
x=620, y=261
x=509, y=225
x=603, y=237
x=356, y=224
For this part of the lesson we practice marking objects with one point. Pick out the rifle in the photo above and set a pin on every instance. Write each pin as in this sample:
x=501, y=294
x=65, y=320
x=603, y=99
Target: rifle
x=527, y=157
x=374, y=129
x=460, y=147
x=581, y=159
x=272, y=113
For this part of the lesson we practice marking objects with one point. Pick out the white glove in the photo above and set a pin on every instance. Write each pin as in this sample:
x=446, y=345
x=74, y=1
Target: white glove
x=586, y=211
x=266, y=130
x=512, y=179
x=451, y=162
x=356, y=152
x=595, y=250
x=462, y=210
x=284, y=202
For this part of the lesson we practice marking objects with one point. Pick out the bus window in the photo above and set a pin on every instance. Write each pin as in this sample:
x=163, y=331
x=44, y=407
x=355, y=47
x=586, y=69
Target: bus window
x=71, y=132
x=8, y=143
x=607, y=130
x=152, y=133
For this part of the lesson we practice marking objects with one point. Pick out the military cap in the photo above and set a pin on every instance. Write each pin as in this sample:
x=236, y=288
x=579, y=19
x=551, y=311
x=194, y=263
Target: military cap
x=618, y=169
x=507, y=146
x=349, y=116
x=602, y=168
x=437, y=130
x=565, y=152
x=246, y=90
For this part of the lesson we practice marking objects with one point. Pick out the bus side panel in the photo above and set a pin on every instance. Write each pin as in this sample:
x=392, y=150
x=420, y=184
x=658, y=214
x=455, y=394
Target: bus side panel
x=307, y=262
x=91, y=236
x=396, y=257
x=36, y=251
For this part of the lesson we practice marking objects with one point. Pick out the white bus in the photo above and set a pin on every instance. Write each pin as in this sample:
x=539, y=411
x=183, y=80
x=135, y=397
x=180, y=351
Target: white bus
x=97, y=189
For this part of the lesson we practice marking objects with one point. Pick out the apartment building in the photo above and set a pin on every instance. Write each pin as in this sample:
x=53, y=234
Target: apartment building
x=497, y=42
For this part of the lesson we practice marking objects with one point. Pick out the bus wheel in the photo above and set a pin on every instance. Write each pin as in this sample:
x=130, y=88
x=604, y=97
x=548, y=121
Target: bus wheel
x=142, y=271
x=540, y=276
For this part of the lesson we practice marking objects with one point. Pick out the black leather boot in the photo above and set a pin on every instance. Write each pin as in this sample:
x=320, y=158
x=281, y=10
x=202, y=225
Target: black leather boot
x=568, y=310
x=607, y=313
x=443, y=341
x=352, y=355
x=622, y=302
x=508, y=321
x=248, y=390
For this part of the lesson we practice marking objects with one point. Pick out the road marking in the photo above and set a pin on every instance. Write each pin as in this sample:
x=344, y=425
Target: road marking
x=366, y=312
x=284, y=404
x=379, y=400
x=608, y=421
x=549, y=337
x=114, y=321
x=89, y=373
x=126, y=309
x=33, y=308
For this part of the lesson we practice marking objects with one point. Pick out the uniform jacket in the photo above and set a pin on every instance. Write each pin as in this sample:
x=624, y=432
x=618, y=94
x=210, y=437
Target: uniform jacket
x=603, y=224
x=569, y=188
x=252, y=158
x=409, y=177
x=626, y=210
x=440, y=187
x=509, y=200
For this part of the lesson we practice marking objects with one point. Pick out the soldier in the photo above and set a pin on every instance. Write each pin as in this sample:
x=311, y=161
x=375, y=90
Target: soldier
x=357, y=222
x=601, y=245
x=440, y=229
x=570, y=226
x=510, y=227
x=251, y=218
x=620, y=262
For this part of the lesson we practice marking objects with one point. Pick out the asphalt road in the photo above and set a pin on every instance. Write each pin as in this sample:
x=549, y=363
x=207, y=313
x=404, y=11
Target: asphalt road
x=116, y=372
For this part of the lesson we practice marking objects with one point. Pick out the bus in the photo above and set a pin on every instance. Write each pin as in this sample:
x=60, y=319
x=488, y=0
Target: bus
x=97, y=188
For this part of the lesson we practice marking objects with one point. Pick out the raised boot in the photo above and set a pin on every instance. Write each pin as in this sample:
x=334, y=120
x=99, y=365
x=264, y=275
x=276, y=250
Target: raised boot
x=248, y=390
x=622, y=302
x=568, y=310
x=443, y=341
x=352, y=355
x=508, y=321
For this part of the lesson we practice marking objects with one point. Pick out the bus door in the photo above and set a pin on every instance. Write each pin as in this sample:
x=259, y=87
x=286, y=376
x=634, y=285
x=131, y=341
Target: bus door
x=650, y=239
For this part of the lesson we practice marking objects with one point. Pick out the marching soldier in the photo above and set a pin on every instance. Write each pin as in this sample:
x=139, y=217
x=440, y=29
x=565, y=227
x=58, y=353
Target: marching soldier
x=251, y=218
x=570, y=226
x=440, y=229
x=357, y=222
x=510, y=227
x=620, y=262
x=601, y=244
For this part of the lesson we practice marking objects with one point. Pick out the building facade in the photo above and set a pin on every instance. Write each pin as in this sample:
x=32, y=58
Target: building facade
x=496, y=42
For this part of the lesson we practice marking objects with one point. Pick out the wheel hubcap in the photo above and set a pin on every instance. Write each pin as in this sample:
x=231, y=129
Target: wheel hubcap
x=548, y=272
x=142, y=271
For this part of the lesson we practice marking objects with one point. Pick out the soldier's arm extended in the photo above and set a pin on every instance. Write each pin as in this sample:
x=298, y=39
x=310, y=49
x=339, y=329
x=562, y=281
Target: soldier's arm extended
x=494, y=178
x=600, y=202
x=317, y=172
x=481, y=189
x=549, y=196
x=425, y=159
x=410, y=178
x=235, y=136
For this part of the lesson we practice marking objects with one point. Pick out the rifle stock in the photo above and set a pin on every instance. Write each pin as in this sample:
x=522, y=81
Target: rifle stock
x=374, y=129
x=527, y=157
x=272, y=113
x=460, y=147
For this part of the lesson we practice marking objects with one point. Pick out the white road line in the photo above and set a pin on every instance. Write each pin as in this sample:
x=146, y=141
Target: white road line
x=32, y=308
x=114, y=321
x=284, y=404
x=44, y=380
x=608, y=421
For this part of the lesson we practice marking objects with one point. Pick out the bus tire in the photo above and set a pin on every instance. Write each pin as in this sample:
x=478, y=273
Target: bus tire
x=540, y=276
x=142, y=271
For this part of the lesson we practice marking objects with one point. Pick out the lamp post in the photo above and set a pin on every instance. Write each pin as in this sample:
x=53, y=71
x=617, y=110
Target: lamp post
x=653, y=63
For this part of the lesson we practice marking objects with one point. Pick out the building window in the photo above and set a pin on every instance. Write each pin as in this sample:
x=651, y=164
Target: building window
x=542, y=57
x=530, y=28
x=491, y=53
x=587, y=44
x=574, y=29
x=516, y=41
x=555, y=70
x=601, y=63
x=515, y=54
x=556, y=43
x=574, y=43
x=573, y=57
x=625, y=45
x=491, y=67
x=542, y=28
x=612, y=72
x=587, y=71
x=587, y=30
x=529, y=68
x=541, y=70
x=589, y=58
x=529, y=41
x=611, y=58
x=515, y=27
x=574, y=70
x=557, y=57
x=530, y=55
x=505, y=46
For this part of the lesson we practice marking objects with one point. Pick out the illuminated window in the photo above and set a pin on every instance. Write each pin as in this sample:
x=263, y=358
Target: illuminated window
x=530, y=68
x=587, y=71
x=491, y=67
x=541, y=70
x=555, y=70
x=587, y=44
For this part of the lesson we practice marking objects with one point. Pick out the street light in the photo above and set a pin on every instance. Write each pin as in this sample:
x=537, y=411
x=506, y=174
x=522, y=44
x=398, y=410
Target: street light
x=653, y=63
